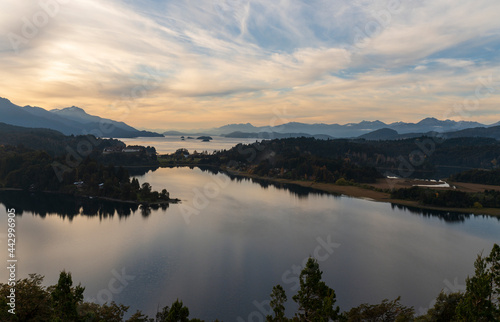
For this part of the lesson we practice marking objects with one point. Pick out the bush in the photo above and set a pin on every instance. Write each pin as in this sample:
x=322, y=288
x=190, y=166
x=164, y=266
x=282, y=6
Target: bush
x=342, y=182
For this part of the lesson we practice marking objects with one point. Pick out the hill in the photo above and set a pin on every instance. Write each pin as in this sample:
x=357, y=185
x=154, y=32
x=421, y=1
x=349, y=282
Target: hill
x=492, y=132
x=68, y=121
x=382, y=134
x=53, y=142
x=485, y=132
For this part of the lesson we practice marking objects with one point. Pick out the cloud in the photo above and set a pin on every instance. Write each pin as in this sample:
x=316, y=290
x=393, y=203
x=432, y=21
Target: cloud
x=175, y=63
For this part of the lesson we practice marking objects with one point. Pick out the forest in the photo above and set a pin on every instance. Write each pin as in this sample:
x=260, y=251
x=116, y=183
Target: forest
x=315, y=301
x=53, y=142
x=481, y=176
x=360, y=162
x=449, y=198
x=27, y=169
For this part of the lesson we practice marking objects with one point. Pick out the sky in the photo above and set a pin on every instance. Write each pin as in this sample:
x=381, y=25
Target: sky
x=172, y=64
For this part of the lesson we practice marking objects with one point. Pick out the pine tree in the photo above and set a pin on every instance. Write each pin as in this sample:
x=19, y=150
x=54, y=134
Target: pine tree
x=278, y=299
x=316, y=300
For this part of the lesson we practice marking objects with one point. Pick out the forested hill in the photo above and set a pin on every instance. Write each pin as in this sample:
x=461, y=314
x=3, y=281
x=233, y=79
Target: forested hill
x=411, y=157
x=53, y=142
x=491, y=177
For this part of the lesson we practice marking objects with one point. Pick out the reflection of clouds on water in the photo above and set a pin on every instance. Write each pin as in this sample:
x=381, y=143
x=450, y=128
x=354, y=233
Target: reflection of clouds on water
x=239, y=247
x=170, y=144
x=296, y=190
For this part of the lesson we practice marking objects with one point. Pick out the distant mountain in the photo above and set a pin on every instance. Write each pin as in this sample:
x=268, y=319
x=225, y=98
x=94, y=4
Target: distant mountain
x=249, y=128
x=432, y=124
x=382, y=134
x=79, y=115
x=273, y=135
x=350, y=130
x=69, y=121
x=33, y=117
x=389, y=134
x=484, y=132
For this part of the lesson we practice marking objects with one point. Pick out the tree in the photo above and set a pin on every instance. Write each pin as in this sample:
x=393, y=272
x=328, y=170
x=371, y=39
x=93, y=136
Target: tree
x=139, y=317
x=165, y=195
x=385, y=311
x=493, y=260
x=444, y=309
x=65, y=298
x=315, y=298
x=481, y=298
x=135, y=184
x=145, y=192
x=278, y=299
x=32, y=300
x=177, y=313
x=90, y=312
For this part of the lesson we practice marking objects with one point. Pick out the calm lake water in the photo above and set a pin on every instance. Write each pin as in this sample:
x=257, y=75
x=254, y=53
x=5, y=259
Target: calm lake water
x=222, y=250
x=170, y=144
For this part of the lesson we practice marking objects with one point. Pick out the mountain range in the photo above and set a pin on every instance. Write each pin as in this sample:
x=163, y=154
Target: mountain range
x=350, y=130
x=75, y=121
x=70, y=121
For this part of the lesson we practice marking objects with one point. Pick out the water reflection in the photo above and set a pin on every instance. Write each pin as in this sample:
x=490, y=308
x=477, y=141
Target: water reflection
x=295, y=190
x=447, y=216
x=68, y=206
x=243, y=241
x=140, y=171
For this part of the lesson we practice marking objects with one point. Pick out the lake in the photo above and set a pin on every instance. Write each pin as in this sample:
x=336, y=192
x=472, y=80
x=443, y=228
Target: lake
x=231, y=240
x=170, y=144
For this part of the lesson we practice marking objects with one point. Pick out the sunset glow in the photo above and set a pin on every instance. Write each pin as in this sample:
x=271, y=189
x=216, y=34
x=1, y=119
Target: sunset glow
x=200, y=64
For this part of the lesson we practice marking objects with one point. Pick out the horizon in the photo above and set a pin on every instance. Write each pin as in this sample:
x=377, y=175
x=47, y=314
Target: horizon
x=178, y=66
x=254, y=125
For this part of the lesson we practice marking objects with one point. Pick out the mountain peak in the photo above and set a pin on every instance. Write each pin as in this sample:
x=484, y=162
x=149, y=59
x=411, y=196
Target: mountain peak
x=72, y=109
x=430, y=121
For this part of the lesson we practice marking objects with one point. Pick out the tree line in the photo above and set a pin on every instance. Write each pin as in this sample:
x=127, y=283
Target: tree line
x=32, y=170
x=449, y=198
x=316, y=301
x=357, y=160
x=481, y=176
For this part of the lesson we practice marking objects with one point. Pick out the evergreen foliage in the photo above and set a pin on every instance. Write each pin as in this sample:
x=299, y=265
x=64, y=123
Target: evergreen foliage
x=316, y=301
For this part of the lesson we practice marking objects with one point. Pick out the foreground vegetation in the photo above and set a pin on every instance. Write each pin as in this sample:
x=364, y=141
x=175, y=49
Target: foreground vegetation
x=316, y=301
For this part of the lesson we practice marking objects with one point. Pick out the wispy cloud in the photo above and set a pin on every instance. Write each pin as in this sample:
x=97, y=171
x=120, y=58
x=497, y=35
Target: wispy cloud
x=224, y=61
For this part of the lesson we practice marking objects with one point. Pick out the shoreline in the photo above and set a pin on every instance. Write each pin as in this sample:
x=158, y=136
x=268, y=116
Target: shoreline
x=136, y=202
x=366, y=194
x=131, y=202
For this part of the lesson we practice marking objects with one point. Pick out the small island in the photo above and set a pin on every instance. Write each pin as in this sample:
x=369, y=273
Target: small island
x=204, y=138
